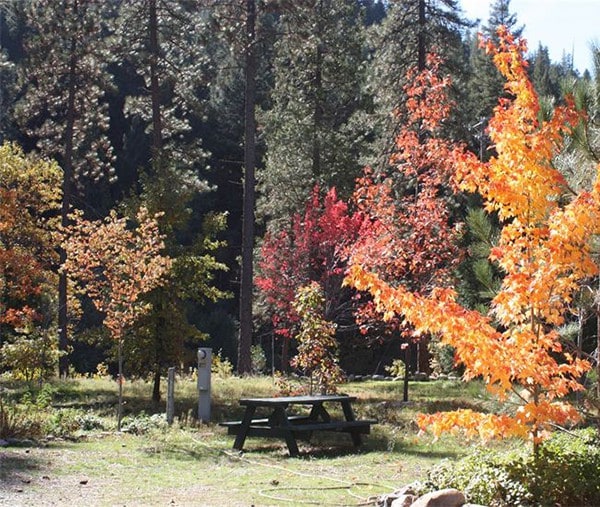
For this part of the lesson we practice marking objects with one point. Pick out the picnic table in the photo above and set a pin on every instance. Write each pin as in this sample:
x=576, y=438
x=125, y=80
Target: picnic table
x=281, y=423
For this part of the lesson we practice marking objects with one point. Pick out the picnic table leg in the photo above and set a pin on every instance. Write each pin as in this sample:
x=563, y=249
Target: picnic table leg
x=281, y=417
x=349, y=415
x=318, y=411
x=243, y=431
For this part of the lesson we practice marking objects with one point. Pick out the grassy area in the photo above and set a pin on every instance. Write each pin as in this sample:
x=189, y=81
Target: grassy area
x=189, y=464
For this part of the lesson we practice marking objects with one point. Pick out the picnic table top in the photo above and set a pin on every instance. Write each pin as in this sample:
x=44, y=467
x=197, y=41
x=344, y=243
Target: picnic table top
x=297, y=400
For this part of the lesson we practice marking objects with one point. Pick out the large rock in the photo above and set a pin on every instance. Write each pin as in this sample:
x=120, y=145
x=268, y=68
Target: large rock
x=442, y=498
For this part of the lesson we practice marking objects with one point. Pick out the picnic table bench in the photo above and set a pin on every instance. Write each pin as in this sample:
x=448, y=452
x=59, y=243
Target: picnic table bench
x=279, y=423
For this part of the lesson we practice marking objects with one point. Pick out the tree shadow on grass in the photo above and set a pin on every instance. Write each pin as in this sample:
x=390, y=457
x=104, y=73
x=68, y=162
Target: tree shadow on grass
x=16, y=465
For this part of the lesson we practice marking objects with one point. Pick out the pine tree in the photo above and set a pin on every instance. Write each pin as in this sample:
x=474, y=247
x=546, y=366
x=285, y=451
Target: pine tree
x=162, y=44
x=486, y=84
x=318, y=70
x=411, y=30
x=63, y=108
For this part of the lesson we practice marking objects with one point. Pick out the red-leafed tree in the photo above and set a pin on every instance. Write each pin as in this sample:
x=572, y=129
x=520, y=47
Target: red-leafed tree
x=311, y=249
x=115, y=264
x=411, y=238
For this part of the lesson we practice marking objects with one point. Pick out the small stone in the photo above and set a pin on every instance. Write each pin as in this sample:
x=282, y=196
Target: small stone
x=83, y=481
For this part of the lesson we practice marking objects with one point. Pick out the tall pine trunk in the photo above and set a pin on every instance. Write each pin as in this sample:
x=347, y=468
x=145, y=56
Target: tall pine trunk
x=154, y=85
x=247, y=275
x=63, y=319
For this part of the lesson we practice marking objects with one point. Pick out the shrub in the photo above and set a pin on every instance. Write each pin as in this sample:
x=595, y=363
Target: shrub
x=21, y=420
x=397, y=368
x=565, y=473
x=30, y=356
x=63, y=423
x=221, y=367
x=485, y=477
x=259, y=360
x=143, y=423
x=570, y=464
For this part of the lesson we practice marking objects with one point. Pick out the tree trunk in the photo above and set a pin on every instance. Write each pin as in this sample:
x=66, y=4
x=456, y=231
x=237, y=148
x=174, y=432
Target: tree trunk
x=421, y=43
x=245, y=339
x=120, y=380
x=318, y=109
x=67, y=166
x=156, y=385
x=154, y=85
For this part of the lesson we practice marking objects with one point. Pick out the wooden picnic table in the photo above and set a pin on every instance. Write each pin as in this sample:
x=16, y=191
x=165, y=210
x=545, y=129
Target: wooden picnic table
x=280, y=423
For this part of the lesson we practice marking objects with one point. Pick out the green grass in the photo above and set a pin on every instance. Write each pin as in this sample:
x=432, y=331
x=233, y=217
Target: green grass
x=186, y=462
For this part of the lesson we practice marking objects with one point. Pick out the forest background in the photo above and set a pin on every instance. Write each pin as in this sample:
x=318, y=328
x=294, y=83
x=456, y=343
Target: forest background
x=244, y=126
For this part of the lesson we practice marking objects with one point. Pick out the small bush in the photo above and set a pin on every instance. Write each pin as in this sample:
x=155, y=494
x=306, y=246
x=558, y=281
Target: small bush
x=90, y=422
x=482, y=478
x=397, y=368
x=221, y=367
x=570, y=464
x=30, y=356
x=20, y=421
x=143, y=423
x=565, y=473
x=259, y=360
x=63, y=423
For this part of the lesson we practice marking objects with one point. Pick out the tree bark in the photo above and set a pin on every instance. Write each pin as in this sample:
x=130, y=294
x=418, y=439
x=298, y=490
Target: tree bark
x=154, y=84
x=247, y=275
x=67, y=166
x=156, y=385
x=318, y=109
x=421, y=43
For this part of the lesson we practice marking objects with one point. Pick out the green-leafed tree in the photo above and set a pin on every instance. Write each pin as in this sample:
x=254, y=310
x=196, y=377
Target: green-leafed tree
x=581, y=155
x=165, y=49
x=318, y=72
x=478, y=278
x=548, y=76
x=63, y=108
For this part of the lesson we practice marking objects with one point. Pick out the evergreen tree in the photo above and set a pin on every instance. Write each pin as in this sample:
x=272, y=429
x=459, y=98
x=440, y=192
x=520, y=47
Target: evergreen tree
x=318, y=72
x=166, y=51
x=486, y=84
x=63, y=109
x=411, y=30
x=547, y=76
x=162, y=44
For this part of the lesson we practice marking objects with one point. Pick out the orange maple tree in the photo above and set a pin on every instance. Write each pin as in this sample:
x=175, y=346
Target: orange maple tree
x=544, y=252
x=114, y=264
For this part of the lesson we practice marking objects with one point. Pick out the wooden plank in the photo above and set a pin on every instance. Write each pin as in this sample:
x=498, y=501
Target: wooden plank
x=296, y=400
x=291, y=418
x=362, y=426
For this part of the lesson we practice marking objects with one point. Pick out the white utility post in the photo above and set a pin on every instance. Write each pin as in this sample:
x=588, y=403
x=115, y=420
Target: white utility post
x=204, y=364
